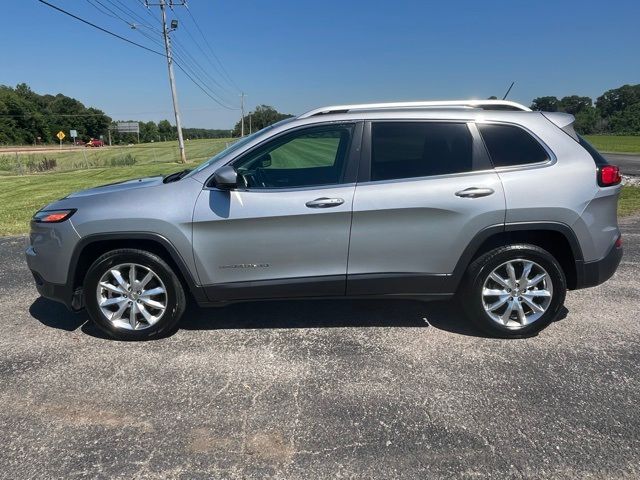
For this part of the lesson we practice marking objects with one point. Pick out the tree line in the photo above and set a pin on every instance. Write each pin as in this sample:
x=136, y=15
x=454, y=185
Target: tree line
x=615, y=112
x=27, y=117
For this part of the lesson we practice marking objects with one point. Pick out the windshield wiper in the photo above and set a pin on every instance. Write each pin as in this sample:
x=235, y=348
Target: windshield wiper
x=176, y=176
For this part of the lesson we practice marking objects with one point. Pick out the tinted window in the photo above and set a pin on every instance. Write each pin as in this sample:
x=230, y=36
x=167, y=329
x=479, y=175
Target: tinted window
x=509, y=145
x=419, y=149
x=308, y=157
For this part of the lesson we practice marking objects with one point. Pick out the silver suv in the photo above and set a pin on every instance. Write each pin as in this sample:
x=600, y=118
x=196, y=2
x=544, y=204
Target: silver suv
x=506, y=207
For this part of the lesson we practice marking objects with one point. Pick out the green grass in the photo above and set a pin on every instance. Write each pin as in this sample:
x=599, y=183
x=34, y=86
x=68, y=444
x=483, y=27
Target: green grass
x=22, y=196
x=629, y=203
x=87, y=158
x=615, y=143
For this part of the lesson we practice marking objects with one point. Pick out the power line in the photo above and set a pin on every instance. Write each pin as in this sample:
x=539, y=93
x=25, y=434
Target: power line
x=124, y=8
x=188, y=70
x=193, y=19
x=201, y=88
x=137, y=45
x=201, y=83
x=184, y=55
x=207, y=56
x=100, y=28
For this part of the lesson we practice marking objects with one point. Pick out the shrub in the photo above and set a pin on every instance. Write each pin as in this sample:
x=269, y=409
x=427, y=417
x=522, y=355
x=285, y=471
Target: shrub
x=125, y=161
x=44, y=165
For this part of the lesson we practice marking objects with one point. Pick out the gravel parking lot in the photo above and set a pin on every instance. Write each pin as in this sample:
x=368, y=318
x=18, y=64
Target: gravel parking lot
x=322, y=389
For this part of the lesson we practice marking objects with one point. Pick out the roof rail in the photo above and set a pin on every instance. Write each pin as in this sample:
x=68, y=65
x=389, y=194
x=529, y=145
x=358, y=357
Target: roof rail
x=482, y=104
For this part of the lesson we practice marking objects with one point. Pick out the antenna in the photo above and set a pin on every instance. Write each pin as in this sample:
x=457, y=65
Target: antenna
x=505, y=95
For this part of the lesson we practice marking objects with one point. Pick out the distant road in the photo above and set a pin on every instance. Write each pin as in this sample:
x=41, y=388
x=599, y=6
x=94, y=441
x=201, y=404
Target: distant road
x=629, y=164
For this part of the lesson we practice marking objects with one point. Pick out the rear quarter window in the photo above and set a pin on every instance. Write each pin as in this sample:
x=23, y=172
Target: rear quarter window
x=510, y=146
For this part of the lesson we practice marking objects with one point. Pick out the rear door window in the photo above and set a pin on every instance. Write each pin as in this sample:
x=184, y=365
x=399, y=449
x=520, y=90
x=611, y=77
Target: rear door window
x=510, y=146
x=419, y=149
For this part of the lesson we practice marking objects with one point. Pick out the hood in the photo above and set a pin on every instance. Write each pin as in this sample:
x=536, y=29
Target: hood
x=120, y=186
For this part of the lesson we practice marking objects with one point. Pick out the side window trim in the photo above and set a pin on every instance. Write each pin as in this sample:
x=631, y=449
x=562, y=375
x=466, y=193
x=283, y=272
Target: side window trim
x=551, y=160
x=349, y=173
x=480, y=158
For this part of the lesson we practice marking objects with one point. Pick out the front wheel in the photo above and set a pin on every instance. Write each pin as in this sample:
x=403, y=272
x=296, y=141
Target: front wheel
x=514, y=291
x=133, y=295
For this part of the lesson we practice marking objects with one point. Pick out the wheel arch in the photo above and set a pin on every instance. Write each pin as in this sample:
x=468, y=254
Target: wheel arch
x=89, y=248
x=556, y=238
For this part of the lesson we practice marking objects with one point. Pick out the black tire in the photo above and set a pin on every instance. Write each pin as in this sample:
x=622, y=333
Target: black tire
x=478, y=272
x=175, y=297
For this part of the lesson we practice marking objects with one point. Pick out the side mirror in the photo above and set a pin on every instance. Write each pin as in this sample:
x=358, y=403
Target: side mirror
x=225, y=178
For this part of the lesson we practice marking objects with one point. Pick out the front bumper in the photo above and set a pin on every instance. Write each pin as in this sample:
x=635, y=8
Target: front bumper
x=62, y=293
x=590, y=274
x=48, y=257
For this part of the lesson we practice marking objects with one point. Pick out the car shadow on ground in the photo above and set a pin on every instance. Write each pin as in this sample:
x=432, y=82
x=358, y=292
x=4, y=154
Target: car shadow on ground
x=283, y=314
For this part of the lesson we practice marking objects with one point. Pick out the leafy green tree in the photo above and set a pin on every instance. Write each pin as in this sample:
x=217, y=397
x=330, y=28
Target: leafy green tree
x=545, y=104
x=149, y=132
x=262, y=116
x=618, y=99
x=166, y=130
x=626, y=122
x=574, y=104
x=587, y=121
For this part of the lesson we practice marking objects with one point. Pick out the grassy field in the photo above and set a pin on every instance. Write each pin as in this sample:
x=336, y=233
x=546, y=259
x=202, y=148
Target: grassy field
x=615, y=143
x=88, y=158
x=629, y=201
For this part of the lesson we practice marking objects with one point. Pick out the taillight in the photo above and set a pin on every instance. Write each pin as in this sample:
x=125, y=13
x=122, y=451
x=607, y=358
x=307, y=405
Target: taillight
x=608, y=175
x=52, y=216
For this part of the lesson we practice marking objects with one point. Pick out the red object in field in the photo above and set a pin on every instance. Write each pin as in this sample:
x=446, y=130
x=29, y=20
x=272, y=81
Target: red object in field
x=609, y=175
x=95, y=143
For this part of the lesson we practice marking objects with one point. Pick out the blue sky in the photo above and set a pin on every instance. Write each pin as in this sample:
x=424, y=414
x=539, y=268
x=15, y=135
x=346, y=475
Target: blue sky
x=300, y=54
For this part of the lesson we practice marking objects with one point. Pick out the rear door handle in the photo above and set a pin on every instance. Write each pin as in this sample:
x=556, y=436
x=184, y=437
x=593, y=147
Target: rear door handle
x=324, y=202
x=475, y=192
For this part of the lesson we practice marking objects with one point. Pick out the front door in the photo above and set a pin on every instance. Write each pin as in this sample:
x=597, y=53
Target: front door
x=285, y=232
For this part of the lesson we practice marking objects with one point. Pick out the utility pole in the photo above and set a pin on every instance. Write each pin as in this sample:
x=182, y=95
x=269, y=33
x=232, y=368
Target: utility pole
x=172, y=81
x=242, y=95
x=250, y=124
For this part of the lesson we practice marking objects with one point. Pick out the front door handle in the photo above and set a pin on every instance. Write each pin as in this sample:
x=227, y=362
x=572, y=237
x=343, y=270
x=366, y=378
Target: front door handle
x=324, y=202
x=474, y=192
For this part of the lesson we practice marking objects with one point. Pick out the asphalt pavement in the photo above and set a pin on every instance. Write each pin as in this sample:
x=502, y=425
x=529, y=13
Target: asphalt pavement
x=629, y=164
x=322, y=390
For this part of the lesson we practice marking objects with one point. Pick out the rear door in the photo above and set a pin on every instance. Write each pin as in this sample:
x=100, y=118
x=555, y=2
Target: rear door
x=426, y=189
x=285, y=232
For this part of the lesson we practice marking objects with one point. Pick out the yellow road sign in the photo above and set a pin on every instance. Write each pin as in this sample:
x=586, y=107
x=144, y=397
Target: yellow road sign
x=60, y=135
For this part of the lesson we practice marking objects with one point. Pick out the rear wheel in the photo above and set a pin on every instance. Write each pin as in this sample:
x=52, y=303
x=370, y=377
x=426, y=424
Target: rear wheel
x=514, y=291
x=133, y=295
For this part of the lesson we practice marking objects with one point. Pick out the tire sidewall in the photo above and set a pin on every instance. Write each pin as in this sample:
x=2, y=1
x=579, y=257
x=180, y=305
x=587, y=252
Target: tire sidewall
x=487, y=263
x=159, y=267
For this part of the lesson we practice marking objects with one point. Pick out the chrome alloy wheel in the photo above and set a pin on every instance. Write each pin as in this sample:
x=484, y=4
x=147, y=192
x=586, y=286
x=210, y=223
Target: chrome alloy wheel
x=517, y=293
x=131, y=296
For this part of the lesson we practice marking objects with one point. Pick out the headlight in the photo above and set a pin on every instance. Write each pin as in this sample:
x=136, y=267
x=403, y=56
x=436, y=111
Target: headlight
x=53, y=216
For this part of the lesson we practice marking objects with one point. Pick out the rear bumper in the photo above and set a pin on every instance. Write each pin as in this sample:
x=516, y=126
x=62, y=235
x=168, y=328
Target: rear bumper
x=590, y=274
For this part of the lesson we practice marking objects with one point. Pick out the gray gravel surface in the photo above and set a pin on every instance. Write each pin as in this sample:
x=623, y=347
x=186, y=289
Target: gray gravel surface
x=322, y=389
